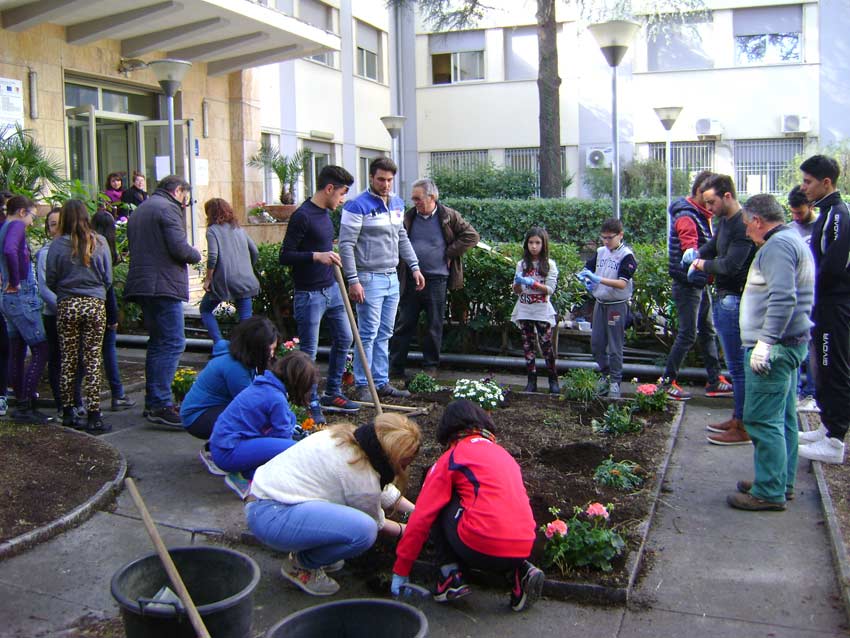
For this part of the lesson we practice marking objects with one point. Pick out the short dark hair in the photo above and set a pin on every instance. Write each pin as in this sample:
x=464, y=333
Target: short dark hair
x=335, y=175
x=298, y=373
x=720, y=184
x=18, y=202
x=820, y=167
x=462, y=415
x=766, y=207
x=171, y=183
x=382, y=164
x=797, y=198
x=612, y=225
x=250, y=341
x=698, y=181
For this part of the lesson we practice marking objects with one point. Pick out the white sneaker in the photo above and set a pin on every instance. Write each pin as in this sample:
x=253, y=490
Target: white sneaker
x=614, y=390
x=827, y=450
x=4, y=406
x=807, y=404
x=312, y=581
x=812, y=436
x=207, y=459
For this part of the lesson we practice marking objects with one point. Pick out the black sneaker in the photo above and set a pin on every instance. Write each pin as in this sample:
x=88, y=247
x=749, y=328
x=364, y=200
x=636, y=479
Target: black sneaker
x=527, y=586
x=387, y=390
x=95, y=424
x=338, y=403
x=451, y=587
x=70, y=420
x=166, y=415
x=27, y=413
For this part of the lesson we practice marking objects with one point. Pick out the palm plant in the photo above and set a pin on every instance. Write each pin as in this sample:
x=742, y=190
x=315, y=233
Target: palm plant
x=25, y=165
x=288, y=168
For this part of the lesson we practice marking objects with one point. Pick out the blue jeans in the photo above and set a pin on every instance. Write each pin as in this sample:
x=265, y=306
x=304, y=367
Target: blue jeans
x=806, y=386
x=23, y=314
x=770, y=418
x=249, y=454
x=209, y=302
x=319, y=532
x=166, y=341
x=375, y=319
x=726, y=314
x=310, y=306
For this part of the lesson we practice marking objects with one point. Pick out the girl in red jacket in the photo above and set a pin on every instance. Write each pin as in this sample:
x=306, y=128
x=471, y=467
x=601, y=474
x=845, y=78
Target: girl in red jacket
x=475, y=507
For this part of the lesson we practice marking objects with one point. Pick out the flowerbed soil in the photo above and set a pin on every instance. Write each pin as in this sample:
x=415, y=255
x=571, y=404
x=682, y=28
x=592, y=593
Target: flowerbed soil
x=47, y=471
x=554, y=444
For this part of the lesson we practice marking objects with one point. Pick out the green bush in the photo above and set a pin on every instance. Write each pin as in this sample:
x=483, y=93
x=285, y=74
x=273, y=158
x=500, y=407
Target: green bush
x=276, y=291
x=638, y=178
x=484, y=181
x=791, y=175
x=580, y=384
x=572, y=221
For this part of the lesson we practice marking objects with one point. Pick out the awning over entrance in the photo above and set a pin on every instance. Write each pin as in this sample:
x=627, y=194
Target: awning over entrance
x=228, y=35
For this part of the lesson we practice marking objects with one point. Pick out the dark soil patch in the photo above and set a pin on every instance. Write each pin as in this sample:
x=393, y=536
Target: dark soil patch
x=45, y=472
x=554, y=444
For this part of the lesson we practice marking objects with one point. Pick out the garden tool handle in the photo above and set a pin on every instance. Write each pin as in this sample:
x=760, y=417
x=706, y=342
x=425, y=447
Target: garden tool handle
x=366, y=367
x=170, y=567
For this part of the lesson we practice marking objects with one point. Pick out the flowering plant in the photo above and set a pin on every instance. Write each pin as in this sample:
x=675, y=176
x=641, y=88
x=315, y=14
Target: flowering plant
x=348, y=375
x=258, y=210
x=581, y=384
x=182, y=382
x=422, y=383
x=650, y=397
x=485, y=393
x=583, y=541
x=623, y=475
x=225, y=312
x=288, y=346
x=616, y=421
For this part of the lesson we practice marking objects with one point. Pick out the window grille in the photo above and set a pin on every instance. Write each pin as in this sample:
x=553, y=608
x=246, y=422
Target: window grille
x=458, y=160
x=691, y=157
x=759, y=163
x=528, y=159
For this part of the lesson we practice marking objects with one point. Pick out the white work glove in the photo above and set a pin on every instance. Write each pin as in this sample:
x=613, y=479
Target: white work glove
x=760, y=358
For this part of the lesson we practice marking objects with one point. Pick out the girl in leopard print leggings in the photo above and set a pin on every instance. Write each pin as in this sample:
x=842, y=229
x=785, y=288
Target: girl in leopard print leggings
x=79, y=271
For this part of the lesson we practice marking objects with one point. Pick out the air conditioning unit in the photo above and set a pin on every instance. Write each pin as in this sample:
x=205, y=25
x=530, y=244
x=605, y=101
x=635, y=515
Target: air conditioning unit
x=708, y=129
x=599, y=156
x=794, y=124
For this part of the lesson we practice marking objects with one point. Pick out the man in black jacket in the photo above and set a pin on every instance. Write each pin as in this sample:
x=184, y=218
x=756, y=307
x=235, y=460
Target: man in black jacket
x=831, y=313
x=727, y=256
x=158, y=281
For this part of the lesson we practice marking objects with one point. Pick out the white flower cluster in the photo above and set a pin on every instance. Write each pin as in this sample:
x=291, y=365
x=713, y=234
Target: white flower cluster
x=224, y=310
x=485, y=393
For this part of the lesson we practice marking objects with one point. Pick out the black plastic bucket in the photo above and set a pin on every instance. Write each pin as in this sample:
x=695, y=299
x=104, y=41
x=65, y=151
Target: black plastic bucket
x=354, y=618
x=220, y=581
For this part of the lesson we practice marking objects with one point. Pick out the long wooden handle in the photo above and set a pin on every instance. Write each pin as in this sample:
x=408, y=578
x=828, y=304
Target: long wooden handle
x=170, y=567
x=366, y=364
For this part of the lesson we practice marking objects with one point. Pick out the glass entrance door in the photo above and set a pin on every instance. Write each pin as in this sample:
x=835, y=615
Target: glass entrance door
x=82, y=145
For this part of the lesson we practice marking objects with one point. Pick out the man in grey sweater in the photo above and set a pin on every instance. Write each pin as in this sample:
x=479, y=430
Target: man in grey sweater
x=775, y=326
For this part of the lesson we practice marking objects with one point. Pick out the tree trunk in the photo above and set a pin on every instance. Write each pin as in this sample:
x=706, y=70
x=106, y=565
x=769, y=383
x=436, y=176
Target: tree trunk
x=548, y=87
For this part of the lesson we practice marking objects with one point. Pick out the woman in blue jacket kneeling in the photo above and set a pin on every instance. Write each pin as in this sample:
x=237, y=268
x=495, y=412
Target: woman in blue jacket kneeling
x=258, y=424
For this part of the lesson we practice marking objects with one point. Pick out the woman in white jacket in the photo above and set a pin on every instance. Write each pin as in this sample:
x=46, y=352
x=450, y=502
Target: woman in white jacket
x=323, y=499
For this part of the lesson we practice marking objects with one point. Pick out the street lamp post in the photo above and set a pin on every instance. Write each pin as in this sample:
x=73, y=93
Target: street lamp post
x=394, y=124
x=613, y=38
x=668, y=116
x=170, y=73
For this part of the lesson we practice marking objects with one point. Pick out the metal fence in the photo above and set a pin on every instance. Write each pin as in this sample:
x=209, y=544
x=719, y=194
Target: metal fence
x=691, y=157
x=458, y=160
x=528, y=159
x=759, y=163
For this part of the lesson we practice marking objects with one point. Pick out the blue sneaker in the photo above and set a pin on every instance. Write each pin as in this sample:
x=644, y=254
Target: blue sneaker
x=239, y=484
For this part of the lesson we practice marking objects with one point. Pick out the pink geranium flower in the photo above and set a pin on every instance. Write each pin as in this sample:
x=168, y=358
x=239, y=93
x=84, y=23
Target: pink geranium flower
x=647, y=389
x=596, y=509
x=558, y=527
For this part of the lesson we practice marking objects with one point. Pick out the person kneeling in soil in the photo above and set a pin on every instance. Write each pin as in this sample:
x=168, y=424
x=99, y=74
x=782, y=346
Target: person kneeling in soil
x=323, y=500
x=476, y=508
x=234, y=366
x=259, y=424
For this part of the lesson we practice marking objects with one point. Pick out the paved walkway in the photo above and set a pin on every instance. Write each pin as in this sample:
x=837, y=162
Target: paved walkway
x=714, y=571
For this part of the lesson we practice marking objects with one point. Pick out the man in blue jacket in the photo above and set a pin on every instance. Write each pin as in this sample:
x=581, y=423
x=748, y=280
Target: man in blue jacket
x=371, y=238
x=158, y=281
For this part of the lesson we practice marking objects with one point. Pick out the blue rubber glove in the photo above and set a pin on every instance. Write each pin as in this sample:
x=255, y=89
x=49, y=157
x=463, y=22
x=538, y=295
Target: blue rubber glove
x=689, y=256
x=524, y=281
x=591, y=276
x=398, y=581
x=693, y=274
x=590, y=286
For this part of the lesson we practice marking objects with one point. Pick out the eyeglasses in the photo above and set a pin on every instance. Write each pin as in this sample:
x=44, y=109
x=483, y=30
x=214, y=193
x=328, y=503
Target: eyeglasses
x=607, y=237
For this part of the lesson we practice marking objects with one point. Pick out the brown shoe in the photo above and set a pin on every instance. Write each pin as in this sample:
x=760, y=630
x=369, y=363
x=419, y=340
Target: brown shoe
x=727, y=425
x=752, y=504
x=745, y=486
x=736, y=435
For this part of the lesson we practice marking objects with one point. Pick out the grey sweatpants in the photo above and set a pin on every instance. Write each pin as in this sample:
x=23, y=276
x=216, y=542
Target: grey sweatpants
x=606, y=339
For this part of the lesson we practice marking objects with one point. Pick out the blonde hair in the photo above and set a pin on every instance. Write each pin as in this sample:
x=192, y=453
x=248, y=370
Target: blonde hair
x=399, y=437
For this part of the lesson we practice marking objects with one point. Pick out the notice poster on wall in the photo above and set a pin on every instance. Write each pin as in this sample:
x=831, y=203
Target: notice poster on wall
x=202, y=172
x=11, y=103
x=162, y=166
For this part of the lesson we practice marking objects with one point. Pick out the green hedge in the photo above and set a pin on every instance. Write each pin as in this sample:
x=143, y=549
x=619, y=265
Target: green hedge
x=573, y=221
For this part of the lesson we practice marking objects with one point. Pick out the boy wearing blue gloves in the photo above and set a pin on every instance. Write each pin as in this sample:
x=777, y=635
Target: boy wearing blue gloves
x=608, y=277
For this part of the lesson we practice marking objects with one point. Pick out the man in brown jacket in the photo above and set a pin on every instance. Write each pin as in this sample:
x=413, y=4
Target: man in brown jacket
x=439, y=236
